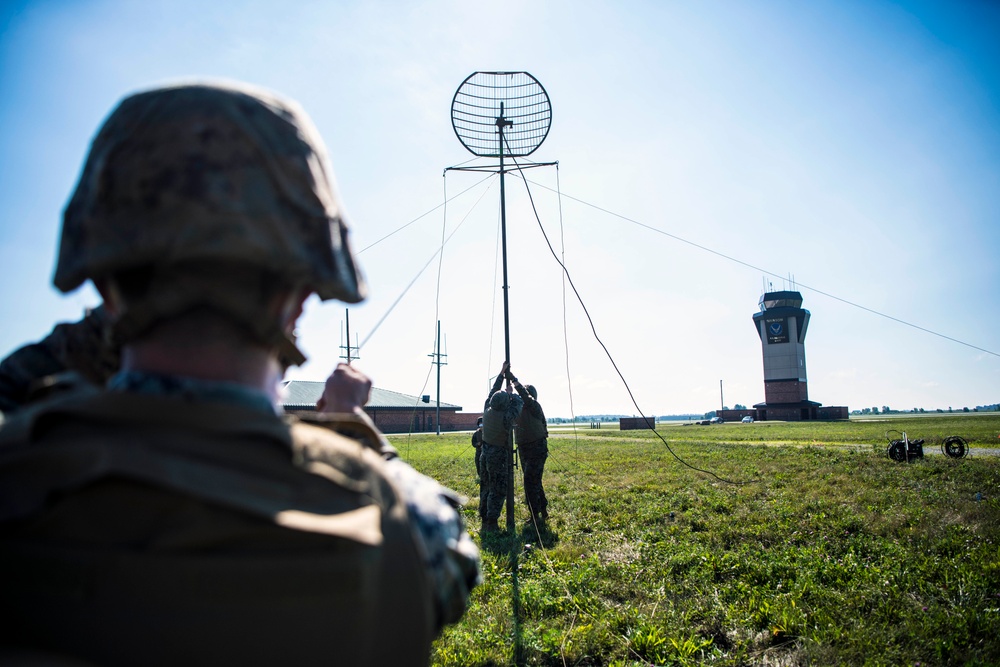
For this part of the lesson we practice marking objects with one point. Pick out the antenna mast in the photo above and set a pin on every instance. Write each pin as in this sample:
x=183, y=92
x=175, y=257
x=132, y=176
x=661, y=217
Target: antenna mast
x=498, y=115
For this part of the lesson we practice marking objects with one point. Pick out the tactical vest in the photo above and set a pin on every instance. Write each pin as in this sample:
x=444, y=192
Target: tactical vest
x=147, y=530
x=494, y=432
x=529, y=428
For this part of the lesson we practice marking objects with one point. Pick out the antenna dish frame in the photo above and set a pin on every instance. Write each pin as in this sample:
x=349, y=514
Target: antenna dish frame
x=484, y=110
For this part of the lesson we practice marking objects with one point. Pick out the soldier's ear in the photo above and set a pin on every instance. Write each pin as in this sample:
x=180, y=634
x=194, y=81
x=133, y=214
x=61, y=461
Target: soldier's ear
x=112, y=298
x=289, y=306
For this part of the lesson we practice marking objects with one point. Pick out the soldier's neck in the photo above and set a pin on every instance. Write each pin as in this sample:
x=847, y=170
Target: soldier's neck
x=218, y=361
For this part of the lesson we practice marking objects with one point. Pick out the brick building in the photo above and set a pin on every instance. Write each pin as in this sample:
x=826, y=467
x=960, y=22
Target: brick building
x=391, y=411
x=636, y=423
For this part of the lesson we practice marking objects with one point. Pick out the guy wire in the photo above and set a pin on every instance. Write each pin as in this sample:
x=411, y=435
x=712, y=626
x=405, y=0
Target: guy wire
x=413, y=413
x=437, y=307
x=444, y=228
x=424, y=267
x=422, y=215
x=493, y=306
x=569, y=375
x=764, y=271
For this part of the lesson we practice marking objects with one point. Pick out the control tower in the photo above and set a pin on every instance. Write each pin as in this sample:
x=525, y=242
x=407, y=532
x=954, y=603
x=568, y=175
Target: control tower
x=782, y=324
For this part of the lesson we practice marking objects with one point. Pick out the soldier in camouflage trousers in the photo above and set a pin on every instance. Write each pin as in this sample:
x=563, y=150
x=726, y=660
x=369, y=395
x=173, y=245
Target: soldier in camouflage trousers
x=499, y=414
x=477, y=444
x=531, y=437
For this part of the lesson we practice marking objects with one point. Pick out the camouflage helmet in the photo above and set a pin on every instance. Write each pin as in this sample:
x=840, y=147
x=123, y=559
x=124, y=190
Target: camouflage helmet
x=499, y=400
x=208, y=173
x=530, y=388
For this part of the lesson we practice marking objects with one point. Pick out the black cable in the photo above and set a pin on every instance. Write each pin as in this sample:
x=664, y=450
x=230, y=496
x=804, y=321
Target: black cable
x=593, y=328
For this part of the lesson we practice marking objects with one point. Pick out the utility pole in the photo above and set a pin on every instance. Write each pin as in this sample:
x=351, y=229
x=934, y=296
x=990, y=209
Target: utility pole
x=348, y=349
x=439, y=362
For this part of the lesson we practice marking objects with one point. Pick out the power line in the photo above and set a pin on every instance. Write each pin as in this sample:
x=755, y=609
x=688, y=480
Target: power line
x=762, y=270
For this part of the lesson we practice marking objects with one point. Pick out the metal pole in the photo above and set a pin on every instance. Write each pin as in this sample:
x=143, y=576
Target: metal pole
x=347, y=318
x=437, y=416
x=501, y=124
x=347, y=347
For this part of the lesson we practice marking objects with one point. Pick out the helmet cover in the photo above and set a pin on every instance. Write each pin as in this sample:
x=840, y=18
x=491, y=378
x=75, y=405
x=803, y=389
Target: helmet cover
x=206, y=173
x=499, y=400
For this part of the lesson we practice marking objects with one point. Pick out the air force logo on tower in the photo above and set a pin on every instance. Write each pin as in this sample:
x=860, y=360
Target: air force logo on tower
x=777, y=330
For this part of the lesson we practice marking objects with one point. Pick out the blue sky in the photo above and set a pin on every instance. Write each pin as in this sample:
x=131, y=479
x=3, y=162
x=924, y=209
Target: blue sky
x=852, y=145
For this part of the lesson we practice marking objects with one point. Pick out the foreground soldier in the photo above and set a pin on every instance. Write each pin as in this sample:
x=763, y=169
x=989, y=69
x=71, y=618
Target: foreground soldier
x=450, y=555
x=499, y=413
x=175, y=518
x=531, y=437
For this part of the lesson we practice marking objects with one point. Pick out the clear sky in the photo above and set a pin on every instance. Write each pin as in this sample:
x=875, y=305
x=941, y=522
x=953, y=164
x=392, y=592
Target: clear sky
x=851, y=146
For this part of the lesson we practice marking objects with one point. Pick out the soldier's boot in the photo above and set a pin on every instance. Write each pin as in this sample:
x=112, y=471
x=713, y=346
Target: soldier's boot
x=490, y=526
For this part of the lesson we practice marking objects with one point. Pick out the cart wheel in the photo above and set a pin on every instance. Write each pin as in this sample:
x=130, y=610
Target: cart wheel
x=955, y=447
x=897, y=451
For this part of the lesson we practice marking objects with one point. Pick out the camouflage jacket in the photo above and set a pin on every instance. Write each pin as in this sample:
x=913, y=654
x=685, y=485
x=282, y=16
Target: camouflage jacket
x=227, y=482
x=83, y=347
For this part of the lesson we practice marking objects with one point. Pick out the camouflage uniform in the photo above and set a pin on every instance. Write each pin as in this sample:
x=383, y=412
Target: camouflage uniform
x=477, y=444
x=531, y=437
x=172, y=520
x=494, y=456
x=83, y=347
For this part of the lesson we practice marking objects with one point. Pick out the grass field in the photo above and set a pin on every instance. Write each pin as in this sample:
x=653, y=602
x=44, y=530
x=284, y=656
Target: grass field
x=823, y=551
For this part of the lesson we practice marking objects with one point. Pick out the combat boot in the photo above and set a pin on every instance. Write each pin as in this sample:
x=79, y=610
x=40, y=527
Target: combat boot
x=490, y=526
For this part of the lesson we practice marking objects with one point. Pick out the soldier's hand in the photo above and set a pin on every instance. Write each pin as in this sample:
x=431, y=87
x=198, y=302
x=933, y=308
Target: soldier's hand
x=347, y=390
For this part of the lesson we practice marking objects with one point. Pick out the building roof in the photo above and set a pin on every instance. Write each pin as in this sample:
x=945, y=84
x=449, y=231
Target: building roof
x=793, y=404
x=303, y=394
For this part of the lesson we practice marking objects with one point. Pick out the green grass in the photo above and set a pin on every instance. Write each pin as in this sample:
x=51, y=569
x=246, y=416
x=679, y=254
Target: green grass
x=825, y=553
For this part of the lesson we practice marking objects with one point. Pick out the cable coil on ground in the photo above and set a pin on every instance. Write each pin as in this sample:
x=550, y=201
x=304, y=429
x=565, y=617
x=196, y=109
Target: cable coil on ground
x=955, y=447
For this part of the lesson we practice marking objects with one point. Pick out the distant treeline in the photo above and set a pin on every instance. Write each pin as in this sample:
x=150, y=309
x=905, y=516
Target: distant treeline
x=886, y=410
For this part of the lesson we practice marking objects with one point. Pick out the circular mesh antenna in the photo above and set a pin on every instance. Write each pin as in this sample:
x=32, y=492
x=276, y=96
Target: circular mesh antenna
x=487, y=102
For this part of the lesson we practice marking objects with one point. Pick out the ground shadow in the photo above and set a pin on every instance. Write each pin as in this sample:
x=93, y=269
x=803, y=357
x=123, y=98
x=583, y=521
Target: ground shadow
x=513, y=544
x=504, y=542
